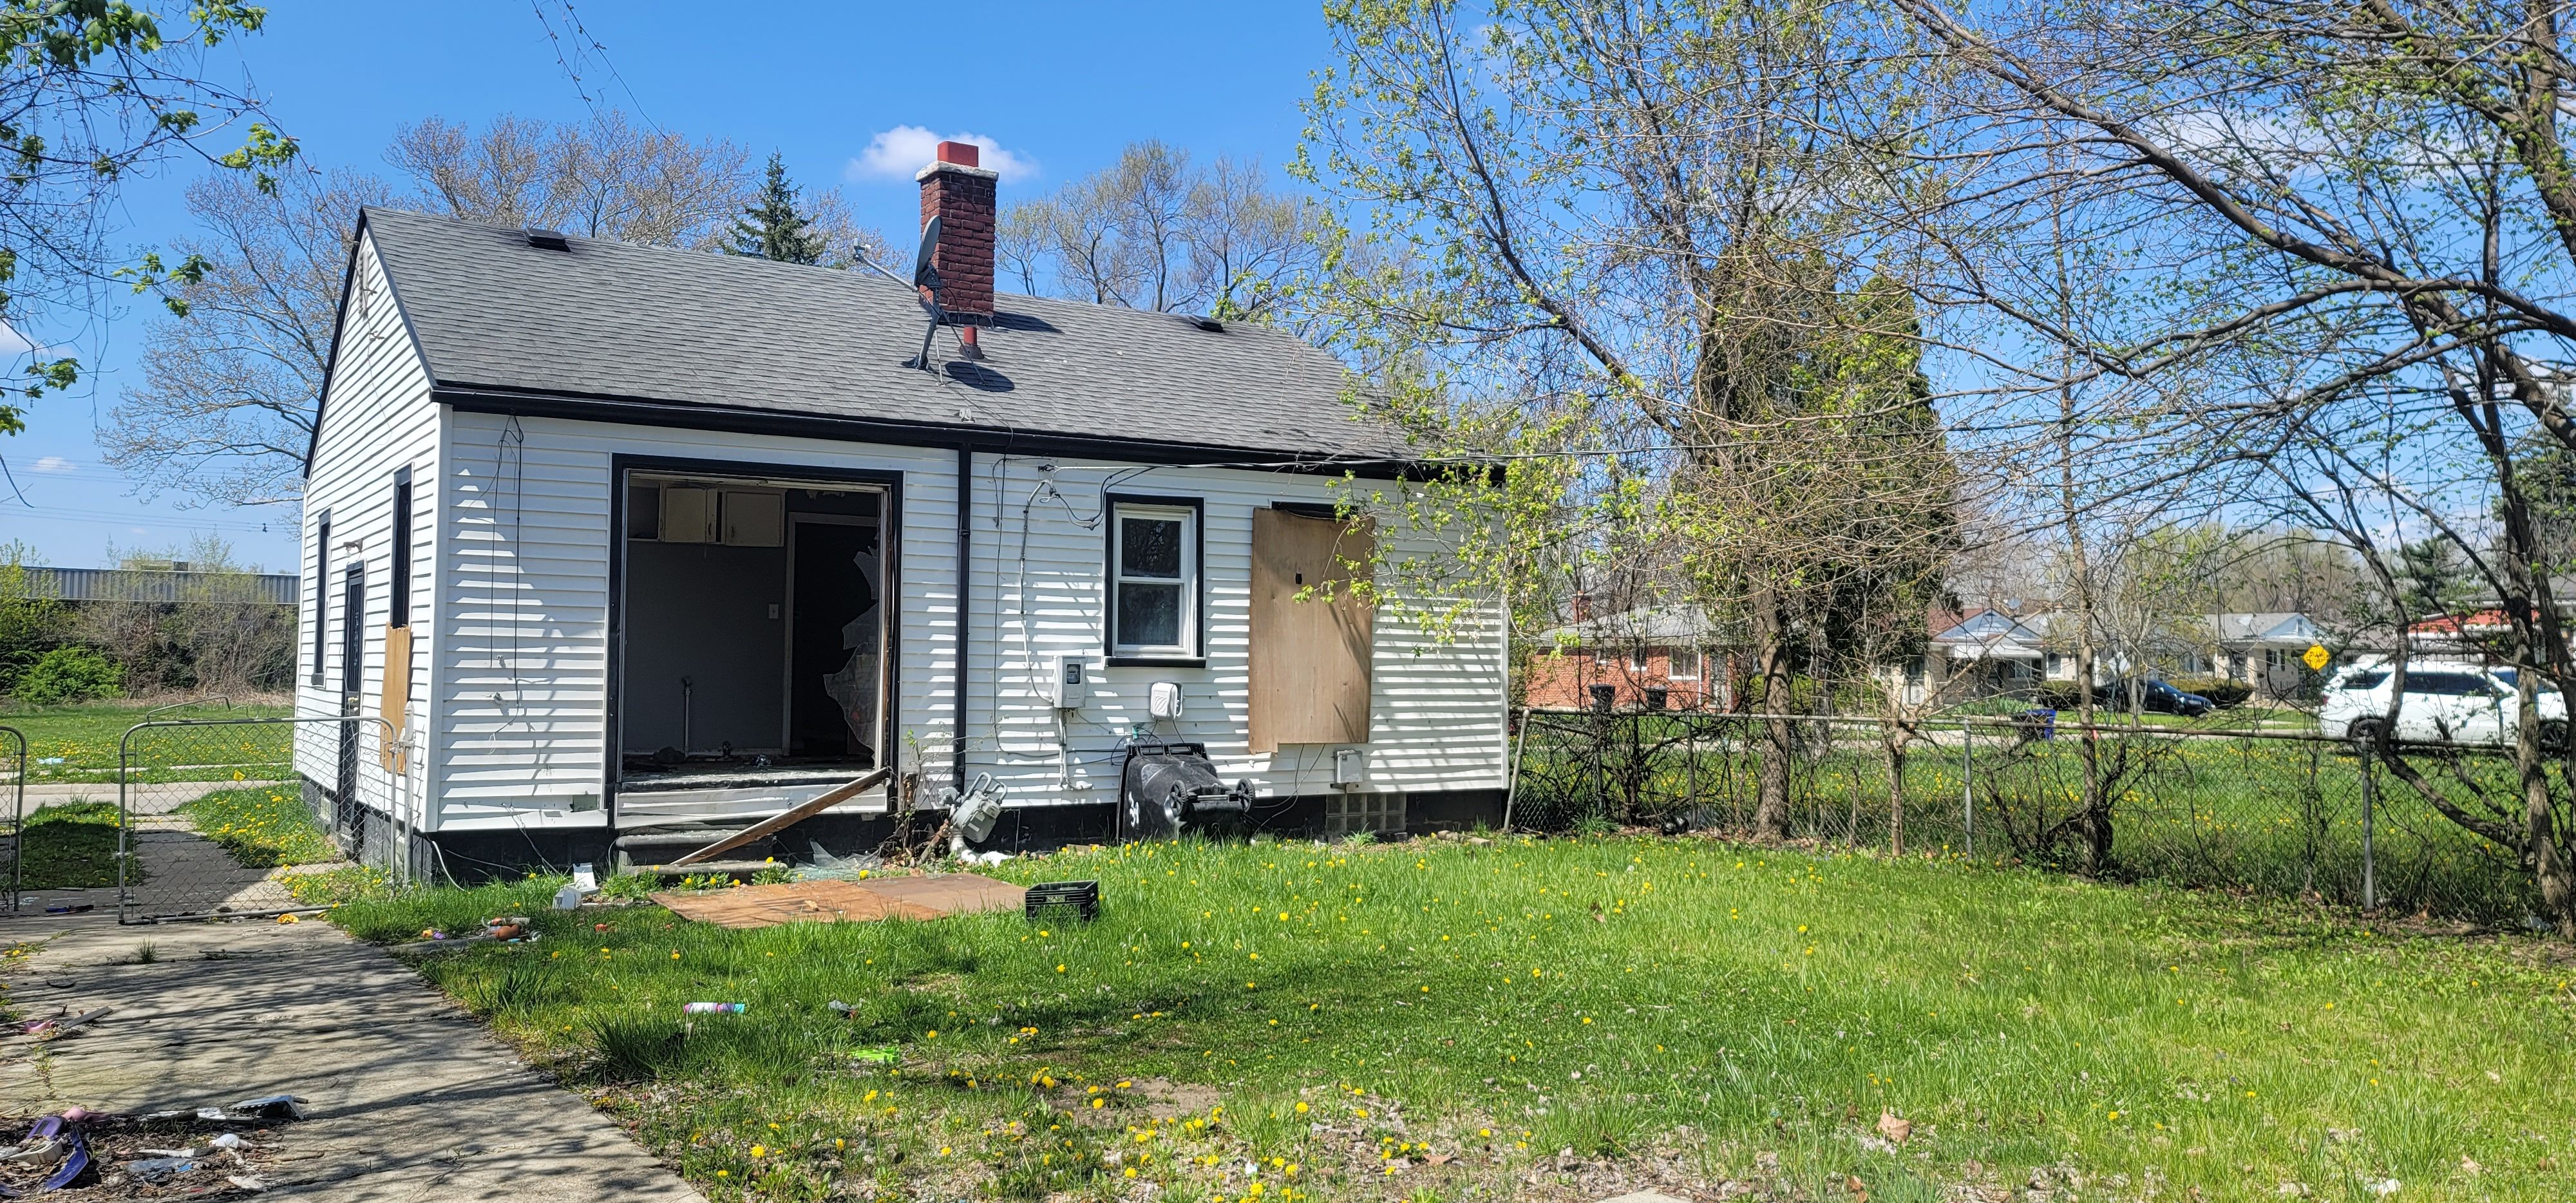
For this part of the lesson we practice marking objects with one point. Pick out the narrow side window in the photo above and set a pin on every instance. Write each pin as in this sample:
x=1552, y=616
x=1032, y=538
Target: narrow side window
x=399, y=601
x=321, y=591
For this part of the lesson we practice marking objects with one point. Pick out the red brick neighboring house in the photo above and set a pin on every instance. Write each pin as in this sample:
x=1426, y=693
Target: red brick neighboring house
x=1655, y=658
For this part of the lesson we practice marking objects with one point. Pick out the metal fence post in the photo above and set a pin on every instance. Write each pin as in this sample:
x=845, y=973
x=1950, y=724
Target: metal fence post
x=124, y=817
x=2369, y=805
x=18, y=822
x=1967, y=791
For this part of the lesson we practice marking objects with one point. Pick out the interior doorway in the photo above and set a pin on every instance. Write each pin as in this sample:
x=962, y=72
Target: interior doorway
x=753, y=639
x=835, y=643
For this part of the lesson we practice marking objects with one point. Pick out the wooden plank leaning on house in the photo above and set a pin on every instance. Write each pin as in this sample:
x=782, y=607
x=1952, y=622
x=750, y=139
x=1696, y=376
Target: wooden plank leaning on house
x=792, y=816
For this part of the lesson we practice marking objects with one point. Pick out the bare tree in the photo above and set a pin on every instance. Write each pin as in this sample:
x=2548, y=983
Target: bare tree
x=1152, y=231
x=225, y=408
x=2352, y=231
x=603, y=178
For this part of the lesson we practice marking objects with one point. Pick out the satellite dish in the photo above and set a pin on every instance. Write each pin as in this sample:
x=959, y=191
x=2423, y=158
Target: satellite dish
x=923, y=274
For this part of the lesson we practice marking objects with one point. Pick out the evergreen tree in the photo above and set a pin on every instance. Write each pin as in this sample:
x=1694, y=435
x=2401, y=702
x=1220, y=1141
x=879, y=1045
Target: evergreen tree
x=771, y=228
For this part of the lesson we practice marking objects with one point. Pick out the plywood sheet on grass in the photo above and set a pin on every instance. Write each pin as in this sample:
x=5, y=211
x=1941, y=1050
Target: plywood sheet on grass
x=843, y=901
x=950, y=893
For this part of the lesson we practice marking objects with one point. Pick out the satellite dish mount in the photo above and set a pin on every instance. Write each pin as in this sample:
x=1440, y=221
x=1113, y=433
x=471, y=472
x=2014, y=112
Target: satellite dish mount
x=925, y=280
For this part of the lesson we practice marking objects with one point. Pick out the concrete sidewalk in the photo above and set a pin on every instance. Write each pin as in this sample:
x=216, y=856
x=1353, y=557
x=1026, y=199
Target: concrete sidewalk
x=410, y=1098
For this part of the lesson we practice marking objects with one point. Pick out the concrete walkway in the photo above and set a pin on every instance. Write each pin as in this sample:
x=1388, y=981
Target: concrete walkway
x=410, y=1099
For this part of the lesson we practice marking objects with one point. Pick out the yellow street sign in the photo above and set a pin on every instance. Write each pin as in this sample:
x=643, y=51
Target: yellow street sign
x=2317, y=657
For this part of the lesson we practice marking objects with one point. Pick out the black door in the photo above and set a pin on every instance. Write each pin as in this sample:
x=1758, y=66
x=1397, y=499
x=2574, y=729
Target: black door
x=353, y=647
x=834, y=658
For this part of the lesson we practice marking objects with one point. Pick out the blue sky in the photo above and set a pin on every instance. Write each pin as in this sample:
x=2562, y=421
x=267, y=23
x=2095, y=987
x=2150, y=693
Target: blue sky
x=1061, y=87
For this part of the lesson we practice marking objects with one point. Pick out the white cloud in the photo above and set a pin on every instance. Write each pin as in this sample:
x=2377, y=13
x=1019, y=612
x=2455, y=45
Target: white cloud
x=905, y=149
x=54, y=463
x=13, y=343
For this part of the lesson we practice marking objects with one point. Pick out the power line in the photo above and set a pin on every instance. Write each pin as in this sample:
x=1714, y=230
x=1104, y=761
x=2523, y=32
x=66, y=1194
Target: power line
x=585, y=46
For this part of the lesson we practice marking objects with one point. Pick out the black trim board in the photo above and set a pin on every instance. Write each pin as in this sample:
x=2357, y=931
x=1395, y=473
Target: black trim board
x=1197, y=506
x=890, y=594
x=637, y=411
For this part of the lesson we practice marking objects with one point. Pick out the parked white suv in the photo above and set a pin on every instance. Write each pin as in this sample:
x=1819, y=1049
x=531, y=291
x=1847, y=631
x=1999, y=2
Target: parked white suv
x=2445, y=703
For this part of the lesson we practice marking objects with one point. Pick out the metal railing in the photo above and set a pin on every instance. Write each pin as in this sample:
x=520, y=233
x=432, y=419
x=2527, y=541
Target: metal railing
x=2281, y=813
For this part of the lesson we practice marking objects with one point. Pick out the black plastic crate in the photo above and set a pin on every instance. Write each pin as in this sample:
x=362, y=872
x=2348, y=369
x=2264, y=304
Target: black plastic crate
x=1082, y=898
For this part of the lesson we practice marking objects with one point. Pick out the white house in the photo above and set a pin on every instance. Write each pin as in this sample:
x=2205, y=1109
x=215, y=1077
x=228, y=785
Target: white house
x=658, y=536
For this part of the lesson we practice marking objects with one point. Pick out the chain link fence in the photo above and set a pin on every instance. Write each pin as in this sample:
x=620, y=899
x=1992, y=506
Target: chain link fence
x=2271, y=812
x=222, y=816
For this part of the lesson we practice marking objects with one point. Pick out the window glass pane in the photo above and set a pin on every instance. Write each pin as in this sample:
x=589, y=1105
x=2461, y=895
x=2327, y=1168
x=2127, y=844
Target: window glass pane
x=1149, y=547
x=2445, y=684
x=1149, y=615
x=1685, y=663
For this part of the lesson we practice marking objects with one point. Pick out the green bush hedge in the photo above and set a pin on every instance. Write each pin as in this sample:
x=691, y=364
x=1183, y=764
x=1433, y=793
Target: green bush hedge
x=2220, y=691
x=69, y=674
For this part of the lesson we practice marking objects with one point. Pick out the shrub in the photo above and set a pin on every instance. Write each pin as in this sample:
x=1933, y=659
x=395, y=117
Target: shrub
x=2220, y=691
x=70, y=674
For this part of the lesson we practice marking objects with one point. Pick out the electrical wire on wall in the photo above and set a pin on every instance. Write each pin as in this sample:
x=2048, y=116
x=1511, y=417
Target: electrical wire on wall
x=510, y=465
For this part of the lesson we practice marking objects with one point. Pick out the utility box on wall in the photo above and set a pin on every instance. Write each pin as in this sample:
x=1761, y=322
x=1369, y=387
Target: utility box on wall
x=1063, y=682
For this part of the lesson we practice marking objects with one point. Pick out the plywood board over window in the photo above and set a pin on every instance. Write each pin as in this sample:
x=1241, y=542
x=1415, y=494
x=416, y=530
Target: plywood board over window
x=1310, y=658
x=395, y=706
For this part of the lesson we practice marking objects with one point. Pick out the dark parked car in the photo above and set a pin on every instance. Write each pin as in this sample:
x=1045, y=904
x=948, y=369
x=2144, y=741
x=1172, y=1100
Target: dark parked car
x=2153, y=695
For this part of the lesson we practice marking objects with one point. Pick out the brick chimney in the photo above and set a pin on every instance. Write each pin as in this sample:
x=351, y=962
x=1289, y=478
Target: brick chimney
x=1582, y=606
x=960, y=194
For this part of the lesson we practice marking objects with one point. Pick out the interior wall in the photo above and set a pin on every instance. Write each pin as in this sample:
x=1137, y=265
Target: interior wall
x=712, y=613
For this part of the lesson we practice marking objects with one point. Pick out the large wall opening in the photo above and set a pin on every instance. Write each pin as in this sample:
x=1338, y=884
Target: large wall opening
x=755, y=636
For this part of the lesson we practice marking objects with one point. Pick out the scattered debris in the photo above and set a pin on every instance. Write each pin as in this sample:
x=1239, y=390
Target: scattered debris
x=1896, y=1130
x=159, y=1169
x=787, y=818
x=269, y=1106
x=823, y=864
x=714, y=1008
x=54, y=1142
x=60, y=1024
x=1048, y=899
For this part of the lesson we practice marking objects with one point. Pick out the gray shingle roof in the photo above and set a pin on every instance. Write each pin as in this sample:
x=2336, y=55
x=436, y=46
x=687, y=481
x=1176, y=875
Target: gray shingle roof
x=608, y=319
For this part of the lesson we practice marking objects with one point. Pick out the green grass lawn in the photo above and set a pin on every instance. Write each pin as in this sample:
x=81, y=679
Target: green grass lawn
x=71, y=845
x=262, y=827
x=1462, y=1015
x=78, y=744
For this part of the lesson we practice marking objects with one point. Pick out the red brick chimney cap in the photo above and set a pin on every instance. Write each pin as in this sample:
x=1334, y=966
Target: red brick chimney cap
x=964, y=154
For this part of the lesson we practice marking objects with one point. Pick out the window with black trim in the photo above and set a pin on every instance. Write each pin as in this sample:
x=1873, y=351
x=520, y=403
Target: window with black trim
x=321, y=591
x=1153, y=579
x=398, y=601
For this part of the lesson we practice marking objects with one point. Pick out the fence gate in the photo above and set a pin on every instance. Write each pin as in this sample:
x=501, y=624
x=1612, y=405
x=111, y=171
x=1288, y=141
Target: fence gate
x=214, y=821
x=13, y=873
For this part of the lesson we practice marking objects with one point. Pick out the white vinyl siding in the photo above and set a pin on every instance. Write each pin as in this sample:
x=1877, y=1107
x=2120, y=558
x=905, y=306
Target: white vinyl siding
x=523, y=712
x=376, y=419
x=1437, y=712
x=523, y=706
